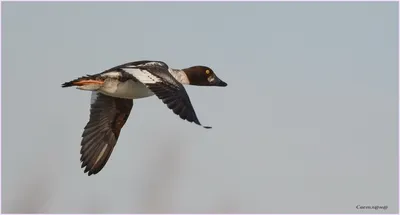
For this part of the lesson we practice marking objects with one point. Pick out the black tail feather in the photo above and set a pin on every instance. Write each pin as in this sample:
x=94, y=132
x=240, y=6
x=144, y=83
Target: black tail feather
x=72, y=83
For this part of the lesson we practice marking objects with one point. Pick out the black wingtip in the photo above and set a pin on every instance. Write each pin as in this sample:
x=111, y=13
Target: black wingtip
x=204, y=126
x=88, y=171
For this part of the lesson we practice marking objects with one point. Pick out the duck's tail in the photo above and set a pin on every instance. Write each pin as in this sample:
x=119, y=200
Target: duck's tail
x=88, y=82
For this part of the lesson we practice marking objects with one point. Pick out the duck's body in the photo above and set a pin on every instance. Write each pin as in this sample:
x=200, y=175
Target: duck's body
x=112, y=101
x=128, y=81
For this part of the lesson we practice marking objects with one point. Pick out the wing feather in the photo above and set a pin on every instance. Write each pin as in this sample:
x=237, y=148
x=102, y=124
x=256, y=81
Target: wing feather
x=107, y=117
x=156, y=77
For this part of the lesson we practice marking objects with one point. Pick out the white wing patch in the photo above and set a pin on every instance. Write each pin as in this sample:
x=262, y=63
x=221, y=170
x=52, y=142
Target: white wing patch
x=143, y=76
x=93, y=97
x=111, y=74
x=152, y=63
x=101, y=154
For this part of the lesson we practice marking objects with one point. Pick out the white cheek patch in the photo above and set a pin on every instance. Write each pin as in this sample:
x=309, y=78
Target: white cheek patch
x=143, y=76
x=211, y=78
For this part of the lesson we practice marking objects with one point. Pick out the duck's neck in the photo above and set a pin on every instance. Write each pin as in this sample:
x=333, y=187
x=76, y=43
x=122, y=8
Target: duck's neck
x=179, y=75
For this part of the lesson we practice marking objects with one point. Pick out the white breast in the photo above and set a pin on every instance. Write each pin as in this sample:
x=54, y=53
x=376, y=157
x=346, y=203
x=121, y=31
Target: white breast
x=128, y=89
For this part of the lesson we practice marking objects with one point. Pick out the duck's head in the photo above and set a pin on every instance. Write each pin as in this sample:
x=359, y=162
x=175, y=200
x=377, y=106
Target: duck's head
x=203, y=76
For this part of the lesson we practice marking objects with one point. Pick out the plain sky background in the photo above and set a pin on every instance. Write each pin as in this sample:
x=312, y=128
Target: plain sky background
x=307, y=124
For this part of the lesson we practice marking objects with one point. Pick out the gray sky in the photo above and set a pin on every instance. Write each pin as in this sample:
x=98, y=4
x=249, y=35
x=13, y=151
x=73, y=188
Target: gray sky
x=307, y=124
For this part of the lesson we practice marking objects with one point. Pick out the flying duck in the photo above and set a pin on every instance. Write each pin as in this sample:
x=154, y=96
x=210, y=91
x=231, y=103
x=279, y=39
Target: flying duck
x=112, y=97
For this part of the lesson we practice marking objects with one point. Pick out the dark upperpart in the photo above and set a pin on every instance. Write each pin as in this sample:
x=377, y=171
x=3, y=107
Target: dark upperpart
x=203, y=76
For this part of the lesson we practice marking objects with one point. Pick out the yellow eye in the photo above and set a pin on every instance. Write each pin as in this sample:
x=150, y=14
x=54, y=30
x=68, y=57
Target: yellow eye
x=207, y=72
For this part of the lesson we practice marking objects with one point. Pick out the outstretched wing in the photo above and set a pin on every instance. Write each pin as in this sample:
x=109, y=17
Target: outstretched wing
x=156, y=77
x=107, y=116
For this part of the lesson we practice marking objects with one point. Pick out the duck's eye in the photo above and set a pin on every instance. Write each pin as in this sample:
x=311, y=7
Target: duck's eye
x=208, y=72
